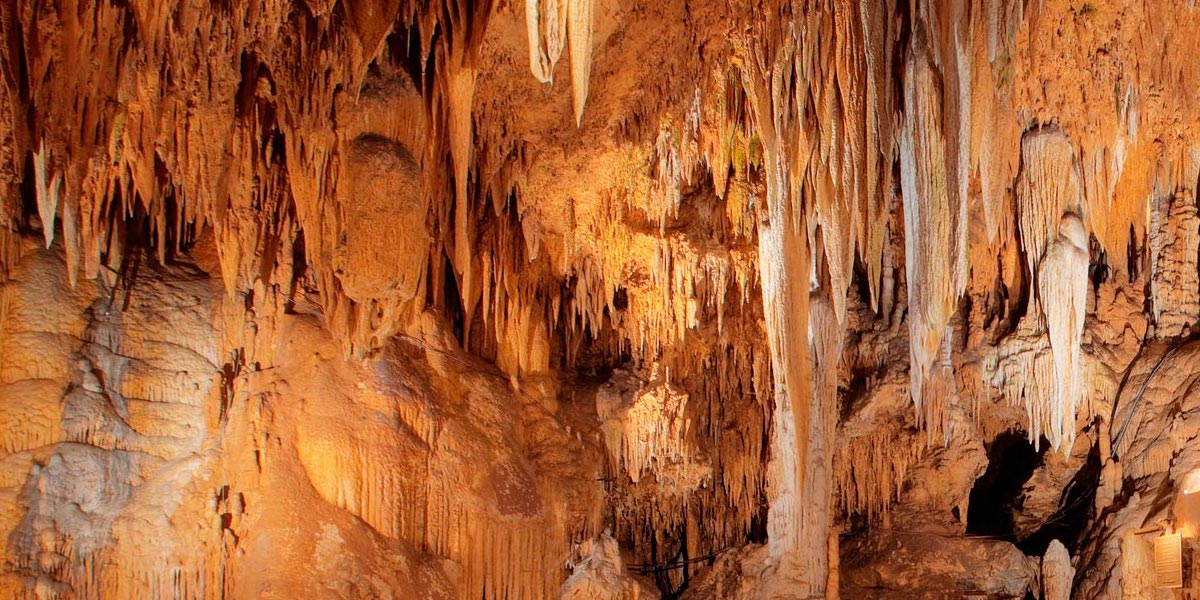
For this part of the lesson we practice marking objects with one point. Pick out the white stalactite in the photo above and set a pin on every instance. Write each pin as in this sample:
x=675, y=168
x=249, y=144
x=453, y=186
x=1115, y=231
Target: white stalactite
x=1062, y=288
x=1055, y=239
x=46, y=191
x=934, y=226
x=579, y=35
x=553, y=24
x=1049, y=186
x=546, y=21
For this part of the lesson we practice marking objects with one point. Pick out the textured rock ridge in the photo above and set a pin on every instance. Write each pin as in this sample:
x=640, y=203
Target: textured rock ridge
x=595, y=298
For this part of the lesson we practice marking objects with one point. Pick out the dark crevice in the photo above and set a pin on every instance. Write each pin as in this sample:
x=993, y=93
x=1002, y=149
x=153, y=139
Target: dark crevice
x=1075, y=509
x=1098, y=270
x=1133, y=254
x=998, y=493
x=405, y=51
x=452, y=300
x=996, y=306
x=28, y=191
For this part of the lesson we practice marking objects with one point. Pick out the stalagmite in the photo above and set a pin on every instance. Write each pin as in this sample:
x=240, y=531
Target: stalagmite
x=1174, y=245
x=600, y=574
x=1057, y=572
x=331, y=298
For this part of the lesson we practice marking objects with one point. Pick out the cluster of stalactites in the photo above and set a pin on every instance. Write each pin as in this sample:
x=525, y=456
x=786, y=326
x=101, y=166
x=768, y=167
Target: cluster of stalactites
x=648, y=432
x=687, y=285
x=934, y=172
x=1049, y=205
x=807, y=81
x=869, y=469
x=214, y=162
x=685, y=451
x=829, y=124
x=959, y=124
x=823, y=126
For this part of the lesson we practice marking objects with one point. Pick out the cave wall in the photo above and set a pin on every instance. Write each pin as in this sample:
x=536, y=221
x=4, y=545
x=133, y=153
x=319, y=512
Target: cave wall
x=593, y=298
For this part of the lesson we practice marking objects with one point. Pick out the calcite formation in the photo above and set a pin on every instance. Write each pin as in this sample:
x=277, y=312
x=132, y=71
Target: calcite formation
x=597, y=298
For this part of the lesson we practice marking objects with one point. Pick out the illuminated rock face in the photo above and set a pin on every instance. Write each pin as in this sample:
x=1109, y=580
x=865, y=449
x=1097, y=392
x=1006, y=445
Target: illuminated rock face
x=595, y=298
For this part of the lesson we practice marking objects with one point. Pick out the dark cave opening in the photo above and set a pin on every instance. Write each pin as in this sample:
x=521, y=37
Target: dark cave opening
x=1011, y=462
x=452, y=301
x=999, y=494
x=1075, y=509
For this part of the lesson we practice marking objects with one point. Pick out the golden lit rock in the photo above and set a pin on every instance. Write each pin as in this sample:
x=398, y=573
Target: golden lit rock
x=597, y=298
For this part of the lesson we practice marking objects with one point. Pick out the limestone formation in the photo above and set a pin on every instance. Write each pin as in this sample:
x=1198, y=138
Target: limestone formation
x=597, y=298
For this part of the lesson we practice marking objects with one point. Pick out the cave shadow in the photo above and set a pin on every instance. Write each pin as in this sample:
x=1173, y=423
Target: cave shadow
x=998, y=495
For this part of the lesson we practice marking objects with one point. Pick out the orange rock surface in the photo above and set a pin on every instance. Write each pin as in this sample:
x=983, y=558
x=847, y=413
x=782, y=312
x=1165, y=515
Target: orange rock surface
x=596, y=298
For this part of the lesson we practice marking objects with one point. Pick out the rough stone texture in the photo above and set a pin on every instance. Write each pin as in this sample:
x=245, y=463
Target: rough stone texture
x=595, y=298
x=904, y=564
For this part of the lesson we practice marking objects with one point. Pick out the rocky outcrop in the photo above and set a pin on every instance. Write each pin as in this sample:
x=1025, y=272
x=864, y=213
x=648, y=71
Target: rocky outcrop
x=387, y=298
x=906, y=564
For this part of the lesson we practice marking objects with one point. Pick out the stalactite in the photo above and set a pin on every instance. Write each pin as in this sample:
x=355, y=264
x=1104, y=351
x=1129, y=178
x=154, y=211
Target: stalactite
x=1023, y=372
x=879, y=110
x=995, y=133
x=546, y=21
x=551, y=25
x=461, y=92
x=579, y=36
x=649, y=435
x=1104, y=151
x=1062, y=290
x=71, y=241
x=1057, y=259
x=934, y=222
x=10, y=201
x=48, y=185
x=1048, y=187
x=870, y=469
x=783, y=257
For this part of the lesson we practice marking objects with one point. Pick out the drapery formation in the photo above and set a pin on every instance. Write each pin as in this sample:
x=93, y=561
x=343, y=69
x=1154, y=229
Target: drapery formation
x=765, y=219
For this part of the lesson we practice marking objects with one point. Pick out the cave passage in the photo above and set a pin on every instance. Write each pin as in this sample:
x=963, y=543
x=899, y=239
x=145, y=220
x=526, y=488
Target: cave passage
x=1011, y=462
